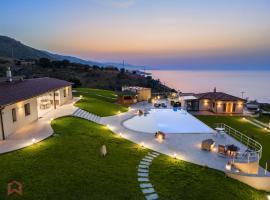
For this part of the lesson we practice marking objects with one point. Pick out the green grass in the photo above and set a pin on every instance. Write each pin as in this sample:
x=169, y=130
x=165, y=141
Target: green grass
x=264, y=118
x=69, y=166
x=259, y=134
x=175, y=179
x=99, y=102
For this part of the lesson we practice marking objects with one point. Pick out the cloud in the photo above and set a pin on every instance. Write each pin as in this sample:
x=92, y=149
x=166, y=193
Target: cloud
x=118, y=3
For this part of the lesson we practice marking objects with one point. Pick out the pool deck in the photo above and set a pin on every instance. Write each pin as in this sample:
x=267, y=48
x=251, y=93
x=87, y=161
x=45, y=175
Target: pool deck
x=187, y=146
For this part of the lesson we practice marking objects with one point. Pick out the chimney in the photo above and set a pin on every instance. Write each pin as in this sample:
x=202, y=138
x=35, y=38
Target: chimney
x=215, y=90
x=9, y=75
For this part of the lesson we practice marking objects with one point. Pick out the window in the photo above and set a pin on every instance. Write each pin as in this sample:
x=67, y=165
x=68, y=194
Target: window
x=65, y=92
x=27, y=109
x=14, y=115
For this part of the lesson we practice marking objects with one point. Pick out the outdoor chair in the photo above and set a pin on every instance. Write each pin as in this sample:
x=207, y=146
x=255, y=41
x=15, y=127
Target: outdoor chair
x=222, y=150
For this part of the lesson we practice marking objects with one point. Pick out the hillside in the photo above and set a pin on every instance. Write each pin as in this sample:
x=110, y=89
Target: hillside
x=82, y=75
x=12, y=48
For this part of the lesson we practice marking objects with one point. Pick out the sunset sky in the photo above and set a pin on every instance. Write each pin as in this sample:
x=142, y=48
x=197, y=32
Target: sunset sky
x=162, y=33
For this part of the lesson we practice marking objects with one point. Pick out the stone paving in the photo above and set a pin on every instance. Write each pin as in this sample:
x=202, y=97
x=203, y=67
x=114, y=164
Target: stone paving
x=184, y=146
x=143, y=176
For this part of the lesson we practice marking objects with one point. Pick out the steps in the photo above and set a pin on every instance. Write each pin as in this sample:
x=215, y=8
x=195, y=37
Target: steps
x=86, y=115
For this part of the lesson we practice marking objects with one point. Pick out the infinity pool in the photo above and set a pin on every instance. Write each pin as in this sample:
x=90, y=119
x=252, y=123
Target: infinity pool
x=167, y=121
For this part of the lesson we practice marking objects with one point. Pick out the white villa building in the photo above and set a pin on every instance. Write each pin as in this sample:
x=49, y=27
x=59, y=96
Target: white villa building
x=25, y=101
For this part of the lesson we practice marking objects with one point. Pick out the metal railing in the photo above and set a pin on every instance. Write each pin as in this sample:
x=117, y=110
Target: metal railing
x=253, y=152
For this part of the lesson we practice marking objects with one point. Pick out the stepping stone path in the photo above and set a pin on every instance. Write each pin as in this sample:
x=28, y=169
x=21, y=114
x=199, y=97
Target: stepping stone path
x=86, y=115
x=143, y=176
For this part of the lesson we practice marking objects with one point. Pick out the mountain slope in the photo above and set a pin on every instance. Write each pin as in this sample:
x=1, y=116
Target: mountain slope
x=13, y=48
x=10, y=47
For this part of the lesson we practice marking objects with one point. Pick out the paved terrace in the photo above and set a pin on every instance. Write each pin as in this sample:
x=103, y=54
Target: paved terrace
x=40, y=129
x=187, y=146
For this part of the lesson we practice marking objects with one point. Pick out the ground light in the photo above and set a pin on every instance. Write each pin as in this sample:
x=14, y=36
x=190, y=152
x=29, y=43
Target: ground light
x=34, y=140
x=120, y=134
x=174, y=155
x=142, y=144
x=268, y=197
x=228, y=166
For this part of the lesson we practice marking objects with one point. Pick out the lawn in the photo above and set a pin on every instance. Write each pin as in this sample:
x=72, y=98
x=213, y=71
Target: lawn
x=99, y=102
x=69, y=166
x=176, y=179
x=264, y=118
x=245, y=127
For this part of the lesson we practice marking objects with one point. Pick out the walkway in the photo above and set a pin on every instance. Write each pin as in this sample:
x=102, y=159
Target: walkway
x=86, y=115
x=187, y=146
x=143, y=176
x=36, y=131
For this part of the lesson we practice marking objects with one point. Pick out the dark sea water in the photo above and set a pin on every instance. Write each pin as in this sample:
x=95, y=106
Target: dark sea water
x=254, y=84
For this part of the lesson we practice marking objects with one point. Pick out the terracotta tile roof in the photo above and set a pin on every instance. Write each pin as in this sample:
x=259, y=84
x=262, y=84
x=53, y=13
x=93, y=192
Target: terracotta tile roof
x=218, y=96
x=12, y=92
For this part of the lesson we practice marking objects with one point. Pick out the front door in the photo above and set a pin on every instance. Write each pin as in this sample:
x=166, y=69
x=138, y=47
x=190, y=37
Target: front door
x=229, y=107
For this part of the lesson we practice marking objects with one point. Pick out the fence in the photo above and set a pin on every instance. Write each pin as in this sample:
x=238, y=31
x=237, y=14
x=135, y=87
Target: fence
x=254, y=148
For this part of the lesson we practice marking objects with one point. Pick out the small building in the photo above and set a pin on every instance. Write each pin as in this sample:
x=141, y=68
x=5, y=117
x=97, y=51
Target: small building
x=143, y=94
x=216, y=102
x=25, y=101
x=127, y=97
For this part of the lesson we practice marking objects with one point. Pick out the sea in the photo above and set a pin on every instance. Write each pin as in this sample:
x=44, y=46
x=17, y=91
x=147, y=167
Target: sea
x=254, y=85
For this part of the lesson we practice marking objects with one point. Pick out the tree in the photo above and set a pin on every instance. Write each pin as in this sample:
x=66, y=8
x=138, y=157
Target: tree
x=44, y=62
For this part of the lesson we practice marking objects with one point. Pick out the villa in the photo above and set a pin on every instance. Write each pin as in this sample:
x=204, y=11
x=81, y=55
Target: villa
x=25, y=101
x=215, y=102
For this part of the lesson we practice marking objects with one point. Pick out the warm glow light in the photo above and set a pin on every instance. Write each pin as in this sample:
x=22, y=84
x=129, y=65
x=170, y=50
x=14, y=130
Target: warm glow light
x=120, y=134
x=160, y=138
x=205, y=102
x=240, y=104
x=81, y=96
x=174, y=155
x=219, y=104
x=268, y=197
x=158, y=97
x=34, y=140
x=119, y=112
x=243, y=118
x=142, y=144
x=228, y=167
x=214, y=149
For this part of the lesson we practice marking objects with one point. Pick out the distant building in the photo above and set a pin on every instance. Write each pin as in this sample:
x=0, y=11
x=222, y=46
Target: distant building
x=25, y=101
x=133, y=94
x=216, y=102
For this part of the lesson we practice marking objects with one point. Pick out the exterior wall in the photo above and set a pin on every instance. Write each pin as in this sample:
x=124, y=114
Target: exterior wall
x=144, y=94
x=239, y=106
x=22, y=120
x=207, y=105
x=249, y=168
x=204, y=105
x=1, y=133
x=258, y=182
x=62, y=97
x=124, y=101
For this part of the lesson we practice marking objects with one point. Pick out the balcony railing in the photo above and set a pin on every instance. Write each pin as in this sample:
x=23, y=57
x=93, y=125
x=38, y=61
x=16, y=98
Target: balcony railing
x=253, y=152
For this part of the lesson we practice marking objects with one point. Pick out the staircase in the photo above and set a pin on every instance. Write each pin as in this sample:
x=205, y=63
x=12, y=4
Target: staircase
x=86, y=115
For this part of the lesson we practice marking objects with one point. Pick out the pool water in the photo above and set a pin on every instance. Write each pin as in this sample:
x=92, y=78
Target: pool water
x=167, y=121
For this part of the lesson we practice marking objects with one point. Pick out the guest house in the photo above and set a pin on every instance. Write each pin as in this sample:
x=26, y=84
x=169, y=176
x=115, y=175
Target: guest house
x=25, y=101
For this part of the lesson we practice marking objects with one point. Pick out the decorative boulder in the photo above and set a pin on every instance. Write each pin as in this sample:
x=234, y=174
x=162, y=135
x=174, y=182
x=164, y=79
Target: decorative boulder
x=103, y=150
